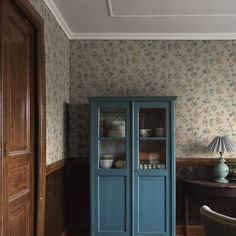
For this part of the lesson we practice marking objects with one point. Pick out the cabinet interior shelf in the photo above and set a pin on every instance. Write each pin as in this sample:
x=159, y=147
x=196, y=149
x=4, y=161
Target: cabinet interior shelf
x=112, y=138
x=151, y=138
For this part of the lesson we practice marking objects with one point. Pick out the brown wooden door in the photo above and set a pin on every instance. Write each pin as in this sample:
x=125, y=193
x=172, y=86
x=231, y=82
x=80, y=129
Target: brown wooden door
x=18, y=122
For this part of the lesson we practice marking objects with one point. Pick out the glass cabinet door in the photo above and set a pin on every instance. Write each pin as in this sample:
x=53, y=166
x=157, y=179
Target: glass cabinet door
x=112, y=138
x=110, y=151
x=151, y=160
x=112, y=122
x=152, y=138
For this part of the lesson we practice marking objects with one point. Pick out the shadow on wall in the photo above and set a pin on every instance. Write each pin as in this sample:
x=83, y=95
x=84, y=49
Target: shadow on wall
x=79, y=130
x=66, y=108
x=193, y=148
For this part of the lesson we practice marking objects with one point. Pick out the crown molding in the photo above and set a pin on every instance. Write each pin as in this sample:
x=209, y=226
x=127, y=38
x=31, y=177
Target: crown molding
x=132, y=36
x=59, y=18
x=153, y=36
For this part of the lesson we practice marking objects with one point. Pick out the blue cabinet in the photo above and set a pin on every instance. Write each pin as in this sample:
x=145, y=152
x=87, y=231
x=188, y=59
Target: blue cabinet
x=132, y=158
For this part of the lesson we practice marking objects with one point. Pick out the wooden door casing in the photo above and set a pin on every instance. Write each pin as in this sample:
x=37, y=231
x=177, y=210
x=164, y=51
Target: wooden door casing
x=36, y=20
x=18, y=123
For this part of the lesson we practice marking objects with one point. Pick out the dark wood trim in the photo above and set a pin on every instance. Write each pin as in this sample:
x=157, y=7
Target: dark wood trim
x=196, y=230
x=56, y=166
x=28, y=10
x=199, y=161
x=1, y=115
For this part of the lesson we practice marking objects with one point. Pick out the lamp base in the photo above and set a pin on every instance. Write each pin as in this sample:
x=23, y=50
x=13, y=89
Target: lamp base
x=221, y=180
x=221, y=170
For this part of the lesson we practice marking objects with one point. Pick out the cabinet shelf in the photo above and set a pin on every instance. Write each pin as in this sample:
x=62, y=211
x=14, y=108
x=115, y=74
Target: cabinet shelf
x=151, y=138
x=112, y=138
x=152, y=172
x=112, y=172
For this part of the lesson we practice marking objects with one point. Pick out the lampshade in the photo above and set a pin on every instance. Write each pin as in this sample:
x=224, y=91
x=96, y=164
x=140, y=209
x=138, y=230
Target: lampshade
x=221, y=144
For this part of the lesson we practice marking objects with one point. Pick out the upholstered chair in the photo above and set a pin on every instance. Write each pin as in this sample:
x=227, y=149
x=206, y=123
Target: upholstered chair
x=216, y=224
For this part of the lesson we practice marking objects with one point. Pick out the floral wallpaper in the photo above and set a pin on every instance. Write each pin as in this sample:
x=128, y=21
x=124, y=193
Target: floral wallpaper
x=201, y=73
x=57, y=47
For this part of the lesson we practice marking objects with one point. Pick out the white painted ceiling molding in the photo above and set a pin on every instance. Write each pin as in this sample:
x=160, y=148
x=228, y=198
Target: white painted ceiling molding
x=113, y=20
x=58, y=16
x=153, y=36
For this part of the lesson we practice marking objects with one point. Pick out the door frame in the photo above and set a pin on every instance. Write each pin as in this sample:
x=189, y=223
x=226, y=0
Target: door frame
x=40, y=171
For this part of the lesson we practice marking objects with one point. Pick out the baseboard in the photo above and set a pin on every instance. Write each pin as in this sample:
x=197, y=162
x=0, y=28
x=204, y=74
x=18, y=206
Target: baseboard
x=194, y=230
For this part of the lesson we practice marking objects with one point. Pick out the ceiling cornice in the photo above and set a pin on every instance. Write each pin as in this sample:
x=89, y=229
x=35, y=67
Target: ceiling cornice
x=153, y=36
x=59, y=18
x=133, y=36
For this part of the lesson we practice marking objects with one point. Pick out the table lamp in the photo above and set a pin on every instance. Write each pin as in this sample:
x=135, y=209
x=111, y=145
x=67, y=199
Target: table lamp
x=221, y=144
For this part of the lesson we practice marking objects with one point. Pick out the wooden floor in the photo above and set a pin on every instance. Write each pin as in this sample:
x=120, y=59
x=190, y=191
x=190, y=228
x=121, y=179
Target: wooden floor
x=194, y=230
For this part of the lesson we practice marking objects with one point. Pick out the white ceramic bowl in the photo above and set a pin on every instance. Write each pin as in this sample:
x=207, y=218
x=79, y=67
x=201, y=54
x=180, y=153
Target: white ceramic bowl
x=145, y=132
x=106, y=164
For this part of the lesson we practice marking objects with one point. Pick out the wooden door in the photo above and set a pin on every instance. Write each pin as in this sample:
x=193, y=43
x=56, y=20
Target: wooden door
x=18, y=122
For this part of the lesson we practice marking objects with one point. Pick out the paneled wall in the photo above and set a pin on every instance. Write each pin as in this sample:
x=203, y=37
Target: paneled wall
x=56, y=221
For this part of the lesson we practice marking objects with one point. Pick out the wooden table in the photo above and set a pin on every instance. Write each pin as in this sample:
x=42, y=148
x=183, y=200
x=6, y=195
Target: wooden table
x=205, y=188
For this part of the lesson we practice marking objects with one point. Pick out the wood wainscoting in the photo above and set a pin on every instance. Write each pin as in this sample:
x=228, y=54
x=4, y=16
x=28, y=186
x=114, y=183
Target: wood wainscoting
x=200, y=161
x=79, y=196
x=56, y=199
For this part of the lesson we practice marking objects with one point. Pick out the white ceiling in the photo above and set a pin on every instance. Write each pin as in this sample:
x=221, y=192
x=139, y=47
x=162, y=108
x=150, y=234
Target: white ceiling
x=146, y=19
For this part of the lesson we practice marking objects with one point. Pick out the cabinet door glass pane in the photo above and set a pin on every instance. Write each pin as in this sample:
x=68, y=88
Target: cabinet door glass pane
x=152, y=154
x=112, y=122
x=152, y=140
x=112, y=154
x=152, y=122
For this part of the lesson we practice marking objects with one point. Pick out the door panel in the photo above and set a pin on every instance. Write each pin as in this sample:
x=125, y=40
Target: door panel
x=18, y=221
x=151, y=204
x=19, y=176
x=112, y=197
x=19, y=93
x=18, y=122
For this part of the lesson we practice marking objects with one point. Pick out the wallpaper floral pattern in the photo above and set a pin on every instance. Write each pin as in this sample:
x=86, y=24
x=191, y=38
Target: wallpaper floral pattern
x=57, y=52
x=201, y=73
